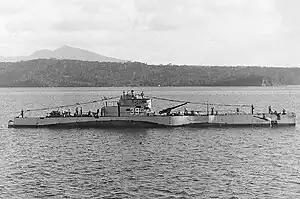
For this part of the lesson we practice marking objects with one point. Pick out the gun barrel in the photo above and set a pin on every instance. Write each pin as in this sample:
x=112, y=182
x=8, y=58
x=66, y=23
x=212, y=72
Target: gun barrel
x=168, y=110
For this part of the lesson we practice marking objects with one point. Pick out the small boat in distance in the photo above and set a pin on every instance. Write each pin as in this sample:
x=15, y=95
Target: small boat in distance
x=135, y=110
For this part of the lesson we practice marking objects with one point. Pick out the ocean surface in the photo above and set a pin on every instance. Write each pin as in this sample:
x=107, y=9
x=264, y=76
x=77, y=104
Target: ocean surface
x=150, y=163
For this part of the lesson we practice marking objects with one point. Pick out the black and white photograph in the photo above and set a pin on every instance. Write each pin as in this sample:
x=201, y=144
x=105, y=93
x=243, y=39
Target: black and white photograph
x=142, y=99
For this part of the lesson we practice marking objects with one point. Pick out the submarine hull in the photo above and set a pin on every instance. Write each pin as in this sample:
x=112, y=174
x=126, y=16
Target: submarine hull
x=259, y=119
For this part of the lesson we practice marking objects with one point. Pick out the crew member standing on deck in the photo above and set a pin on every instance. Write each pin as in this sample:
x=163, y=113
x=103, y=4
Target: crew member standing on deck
x=76, y=111
x=185, y=111
x=22, y=113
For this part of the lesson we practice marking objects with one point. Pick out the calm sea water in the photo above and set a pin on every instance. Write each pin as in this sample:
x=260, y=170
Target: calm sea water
x=150, y=163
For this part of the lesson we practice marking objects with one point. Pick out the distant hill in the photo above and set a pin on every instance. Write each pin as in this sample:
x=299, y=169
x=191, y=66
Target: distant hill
x=64, y=52
x=73, y=73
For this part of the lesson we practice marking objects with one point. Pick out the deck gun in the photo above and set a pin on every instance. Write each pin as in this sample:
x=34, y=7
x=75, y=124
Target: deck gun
x=168, y=110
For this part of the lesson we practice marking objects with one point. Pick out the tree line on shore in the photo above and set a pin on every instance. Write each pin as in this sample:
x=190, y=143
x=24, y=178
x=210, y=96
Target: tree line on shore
x=74, y=73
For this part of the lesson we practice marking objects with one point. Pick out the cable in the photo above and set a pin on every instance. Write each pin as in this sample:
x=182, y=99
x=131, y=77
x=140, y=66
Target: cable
x=153, y=97
x=202, y=103
x=70, y=105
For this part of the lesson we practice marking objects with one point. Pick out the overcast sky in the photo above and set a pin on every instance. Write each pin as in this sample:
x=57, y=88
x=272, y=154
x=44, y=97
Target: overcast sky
x=202, y=32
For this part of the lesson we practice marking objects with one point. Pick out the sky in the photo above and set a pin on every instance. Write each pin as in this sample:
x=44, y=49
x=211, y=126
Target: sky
x=197, y=32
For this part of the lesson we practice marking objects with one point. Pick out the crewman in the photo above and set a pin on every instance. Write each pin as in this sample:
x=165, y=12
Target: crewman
x=185, y=111
x=270, y=109
x=80, y=110
x=76, y=111
x=237, y=110
x=212, y=110
x=22, y=113
x=283, y=111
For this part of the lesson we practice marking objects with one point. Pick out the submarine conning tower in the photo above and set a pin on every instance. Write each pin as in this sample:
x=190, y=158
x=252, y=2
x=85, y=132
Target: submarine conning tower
x=129, y=104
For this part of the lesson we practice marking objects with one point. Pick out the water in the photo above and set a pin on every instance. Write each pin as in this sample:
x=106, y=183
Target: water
x=150, y=163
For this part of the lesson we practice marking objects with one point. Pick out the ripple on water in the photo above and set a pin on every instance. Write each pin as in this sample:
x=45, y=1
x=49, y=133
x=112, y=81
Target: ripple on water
x=152, y=163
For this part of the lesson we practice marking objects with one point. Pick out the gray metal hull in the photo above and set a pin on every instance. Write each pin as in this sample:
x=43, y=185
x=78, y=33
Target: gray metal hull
x=157, y=121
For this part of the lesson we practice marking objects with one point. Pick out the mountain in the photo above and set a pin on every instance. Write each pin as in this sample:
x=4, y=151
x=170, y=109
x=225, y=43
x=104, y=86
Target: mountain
x=76, y=73
x=64, y=52
x=42, y=54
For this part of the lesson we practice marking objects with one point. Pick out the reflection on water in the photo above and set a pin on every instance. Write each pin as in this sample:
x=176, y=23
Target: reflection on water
x=150, y=163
